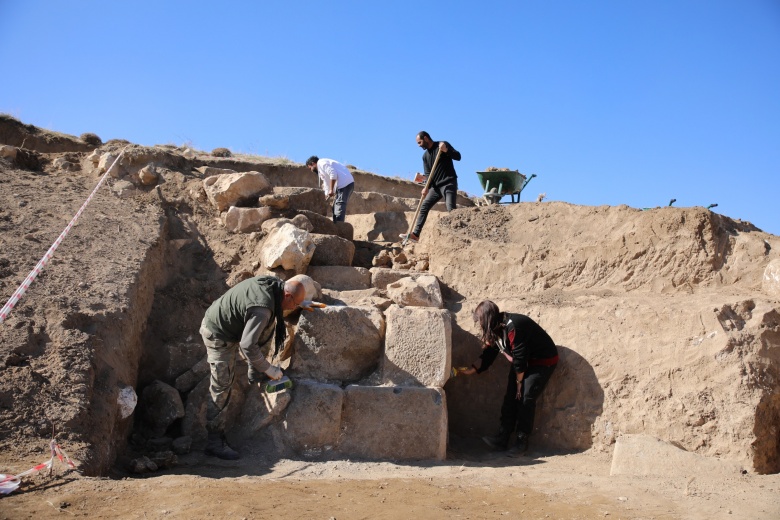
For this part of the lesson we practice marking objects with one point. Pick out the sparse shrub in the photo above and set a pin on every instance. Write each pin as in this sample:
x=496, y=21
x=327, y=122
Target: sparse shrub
x=221, y=152
x=91, y=139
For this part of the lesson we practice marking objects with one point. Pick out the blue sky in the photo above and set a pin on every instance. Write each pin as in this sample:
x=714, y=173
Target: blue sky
x=607, y=102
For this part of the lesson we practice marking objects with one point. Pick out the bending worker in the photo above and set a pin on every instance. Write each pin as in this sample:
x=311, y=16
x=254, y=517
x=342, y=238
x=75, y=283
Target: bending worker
x=337, y=182
x=444, y=182
x=249, y=317
x=533, y=356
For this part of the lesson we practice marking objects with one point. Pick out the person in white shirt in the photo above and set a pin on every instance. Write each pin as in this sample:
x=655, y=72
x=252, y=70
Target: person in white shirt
x=337, y=182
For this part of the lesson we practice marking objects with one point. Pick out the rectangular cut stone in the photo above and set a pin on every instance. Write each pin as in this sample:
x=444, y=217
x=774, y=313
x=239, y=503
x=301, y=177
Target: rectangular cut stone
x=418, y=346
x=341, y=344
x=380, y=422
x=340, y=277
x=313, y=419
x=381, y=277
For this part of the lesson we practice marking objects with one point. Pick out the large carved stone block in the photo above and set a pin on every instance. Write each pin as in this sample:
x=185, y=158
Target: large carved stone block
x=313, y=420
x=380, y=422
x=340, y=277
x=338, y=343
x=418, y=346
x=332, y=250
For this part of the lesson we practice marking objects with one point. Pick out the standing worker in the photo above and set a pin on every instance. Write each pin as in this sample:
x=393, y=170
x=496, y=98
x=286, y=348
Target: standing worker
x=444, y=182
x=337, y=182
x=533, y=355
x=247, y=317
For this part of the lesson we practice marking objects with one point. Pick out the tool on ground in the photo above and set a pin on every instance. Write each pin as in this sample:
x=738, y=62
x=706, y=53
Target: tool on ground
x=280, y=384
x=309, y=305
x=419, y=205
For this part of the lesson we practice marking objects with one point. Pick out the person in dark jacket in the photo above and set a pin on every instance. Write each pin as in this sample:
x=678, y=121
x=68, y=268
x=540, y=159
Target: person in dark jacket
x=444, y=182
x=249, y=317
x=533, y=355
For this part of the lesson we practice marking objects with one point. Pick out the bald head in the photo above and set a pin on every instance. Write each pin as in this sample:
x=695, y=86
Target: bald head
x=294, y=294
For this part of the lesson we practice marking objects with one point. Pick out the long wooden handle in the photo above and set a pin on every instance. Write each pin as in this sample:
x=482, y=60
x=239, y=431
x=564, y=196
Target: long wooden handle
x=427, y=184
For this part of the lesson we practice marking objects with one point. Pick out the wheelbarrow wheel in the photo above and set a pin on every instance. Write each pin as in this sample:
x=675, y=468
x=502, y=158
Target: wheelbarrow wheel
x=492, y=196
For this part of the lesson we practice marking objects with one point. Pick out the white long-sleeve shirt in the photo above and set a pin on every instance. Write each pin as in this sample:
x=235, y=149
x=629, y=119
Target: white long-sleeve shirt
x=328, y=169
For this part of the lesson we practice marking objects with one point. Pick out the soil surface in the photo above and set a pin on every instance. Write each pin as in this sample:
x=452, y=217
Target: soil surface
x=110, y=280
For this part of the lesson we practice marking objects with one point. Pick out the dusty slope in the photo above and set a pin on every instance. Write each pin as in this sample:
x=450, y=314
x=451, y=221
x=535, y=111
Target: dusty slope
x=661, y=315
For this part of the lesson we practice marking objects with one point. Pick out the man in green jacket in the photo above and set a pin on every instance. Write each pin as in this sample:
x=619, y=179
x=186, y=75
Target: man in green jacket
x=247, y=317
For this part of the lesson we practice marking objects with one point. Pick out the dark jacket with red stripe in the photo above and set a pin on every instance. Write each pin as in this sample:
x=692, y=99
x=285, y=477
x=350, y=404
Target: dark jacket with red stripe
x=524, y=341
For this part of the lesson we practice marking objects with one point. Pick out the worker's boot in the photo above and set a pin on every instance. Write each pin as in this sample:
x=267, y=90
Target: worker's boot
x=520, y=446
x=498, y=441
x=217, y=446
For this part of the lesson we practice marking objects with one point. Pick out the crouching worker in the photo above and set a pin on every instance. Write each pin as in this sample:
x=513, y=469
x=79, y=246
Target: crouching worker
x=533, y=356
x=248, y=317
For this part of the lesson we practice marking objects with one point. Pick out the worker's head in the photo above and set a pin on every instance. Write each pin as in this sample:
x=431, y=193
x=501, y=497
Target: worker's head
x=294, y=294
x=488, y=317
x=311, y=163
x=424, y=140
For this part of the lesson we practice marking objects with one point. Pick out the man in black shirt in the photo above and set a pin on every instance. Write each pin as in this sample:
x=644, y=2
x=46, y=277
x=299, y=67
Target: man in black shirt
x=444, y=182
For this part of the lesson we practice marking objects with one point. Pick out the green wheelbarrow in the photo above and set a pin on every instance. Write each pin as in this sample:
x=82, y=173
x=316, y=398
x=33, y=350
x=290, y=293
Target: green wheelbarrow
x=499, y=183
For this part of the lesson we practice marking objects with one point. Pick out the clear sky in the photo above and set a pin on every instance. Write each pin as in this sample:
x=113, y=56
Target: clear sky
x=606, y=101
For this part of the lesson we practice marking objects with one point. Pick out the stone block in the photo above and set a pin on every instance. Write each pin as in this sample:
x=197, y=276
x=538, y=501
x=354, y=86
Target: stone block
x=337, y=344
x=322, y=225
x=230, y=189
x=8, y=152
x=289, y=248
x=260, y=408
x=358, y=298
x=642, y=455
x=345, y=230
x=332, y=250
x=189, y=379
x=340, y=278
x=418, y=346
x=313, y=420
x=245, y=220
x=181, y=357
x=394, y=423
x=287, y=197
x=420, y=291
x=162, y=405
x=381, y=277
x=148, y=175
x=770, y=283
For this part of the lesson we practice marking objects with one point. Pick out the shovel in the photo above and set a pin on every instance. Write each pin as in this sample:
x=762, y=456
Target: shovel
x=419, y=205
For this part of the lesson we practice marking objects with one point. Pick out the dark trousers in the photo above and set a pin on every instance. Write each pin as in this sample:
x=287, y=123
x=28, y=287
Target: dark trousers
x=340, y=202
x=520, y=412
x=449, y=192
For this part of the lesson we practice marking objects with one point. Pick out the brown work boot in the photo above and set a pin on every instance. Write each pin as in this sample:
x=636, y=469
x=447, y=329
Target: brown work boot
x=498, y=441
x=520, y=446
x=217, y=446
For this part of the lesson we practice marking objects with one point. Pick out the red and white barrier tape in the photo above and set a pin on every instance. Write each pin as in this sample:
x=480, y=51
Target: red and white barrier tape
x=10, y=483
x=22, y=289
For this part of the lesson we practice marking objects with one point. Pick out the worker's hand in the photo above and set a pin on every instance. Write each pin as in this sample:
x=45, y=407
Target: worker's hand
x=274, y=372
x=443, y=147
x=519, y=395
x=424, y=192
x=463, y=371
